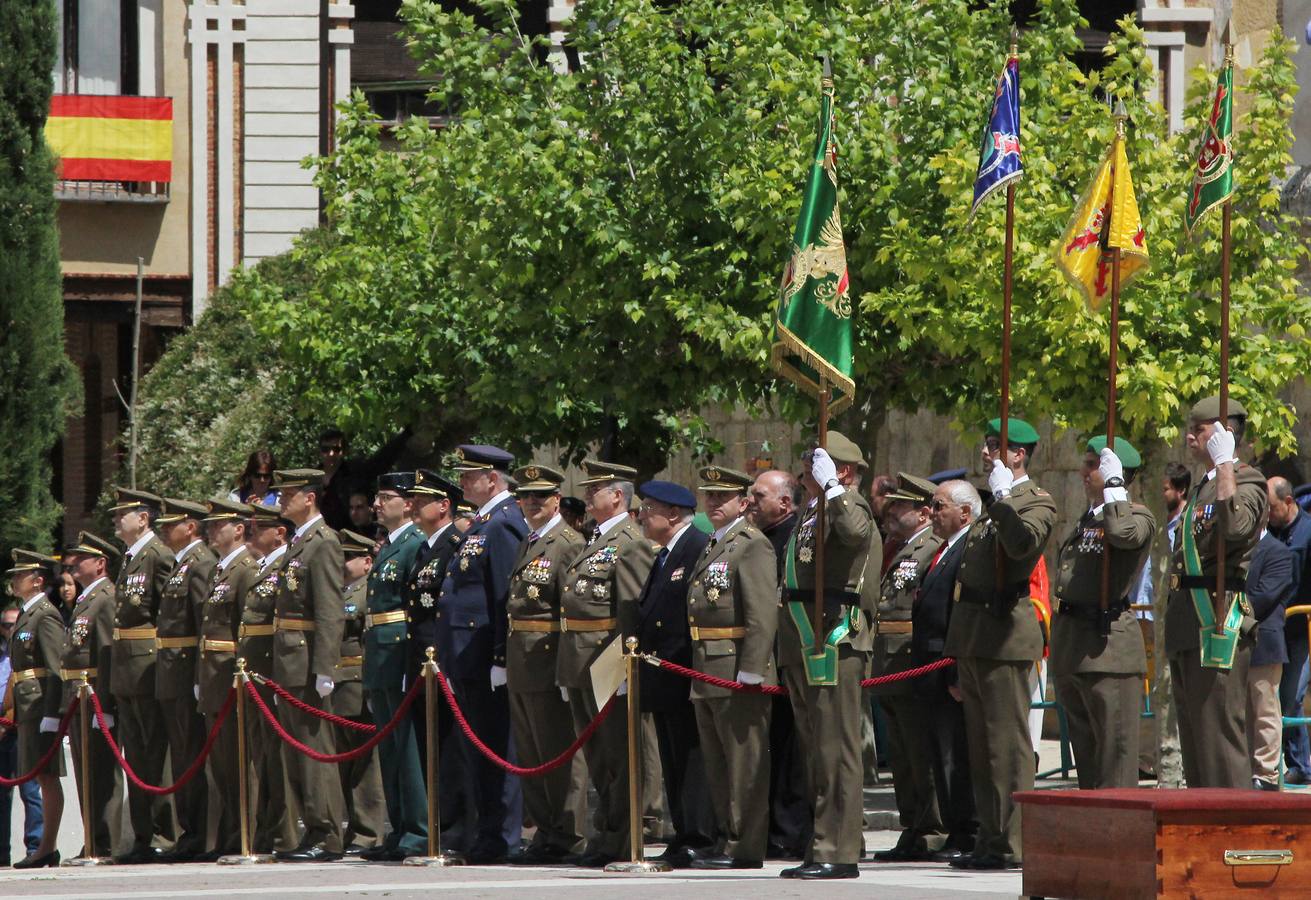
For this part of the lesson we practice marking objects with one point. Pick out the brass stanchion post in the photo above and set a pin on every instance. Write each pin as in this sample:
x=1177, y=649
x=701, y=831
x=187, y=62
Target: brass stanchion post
x=239, y=682
x=88, y=857
x=435, y=855
x=637, y=863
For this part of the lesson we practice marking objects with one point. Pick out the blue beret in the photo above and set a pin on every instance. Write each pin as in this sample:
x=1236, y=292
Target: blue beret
x=667, y=492
x=947, y=475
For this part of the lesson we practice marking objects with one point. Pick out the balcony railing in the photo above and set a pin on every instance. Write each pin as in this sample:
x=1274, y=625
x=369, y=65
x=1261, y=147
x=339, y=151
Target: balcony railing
x=112, y=148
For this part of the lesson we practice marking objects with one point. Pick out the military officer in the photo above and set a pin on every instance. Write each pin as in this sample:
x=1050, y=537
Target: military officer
x=539, y=716
x=1097, y=657
x=87, y=649
x=600, y=604
x=35, y=650
x=177, y=629
x=361, y=779
x=907, y=517
x=732, y=614
x=825, y=687
x=147, y=567
x=234, y=575
x=384, y=670
x=472, y=630
x=306, y=649
x=1209, y=670
x=996, y=639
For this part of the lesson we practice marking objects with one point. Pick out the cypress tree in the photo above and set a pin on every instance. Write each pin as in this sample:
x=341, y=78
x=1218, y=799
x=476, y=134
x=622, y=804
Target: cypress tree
x=36, y=377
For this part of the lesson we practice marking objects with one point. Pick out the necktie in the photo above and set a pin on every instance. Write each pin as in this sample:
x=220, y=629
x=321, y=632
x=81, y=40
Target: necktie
x=596, y=534
x=661, y=557
x=533, y=536
x=937, y=556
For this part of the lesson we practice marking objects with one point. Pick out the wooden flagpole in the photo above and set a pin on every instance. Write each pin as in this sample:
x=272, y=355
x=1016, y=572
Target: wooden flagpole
x=817, y=614
x=1007, y=287
x=1226, y=245
x=1112, y=366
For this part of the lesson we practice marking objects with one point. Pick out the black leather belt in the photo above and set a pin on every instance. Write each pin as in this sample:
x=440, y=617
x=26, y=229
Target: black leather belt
x=1233, y=582
x=1092, y=613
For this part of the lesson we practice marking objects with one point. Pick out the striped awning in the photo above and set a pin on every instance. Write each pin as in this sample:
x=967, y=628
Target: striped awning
x=111, y=138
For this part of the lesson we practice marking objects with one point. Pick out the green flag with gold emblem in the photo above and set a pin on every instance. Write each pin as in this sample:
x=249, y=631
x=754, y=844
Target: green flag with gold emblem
x=812, y=334
x=1214, y=182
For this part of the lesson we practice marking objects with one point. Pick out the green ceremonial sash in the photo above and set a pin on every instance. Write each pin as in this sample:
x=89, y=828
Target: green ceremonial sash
x=1217, y=648
x=821, y=668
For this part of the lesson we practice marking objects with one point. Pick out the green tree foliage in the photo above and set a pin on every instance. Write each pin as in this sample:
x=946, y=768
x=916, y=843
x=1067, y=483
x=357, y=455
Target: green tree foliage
x=595, y=256
x=37, y=376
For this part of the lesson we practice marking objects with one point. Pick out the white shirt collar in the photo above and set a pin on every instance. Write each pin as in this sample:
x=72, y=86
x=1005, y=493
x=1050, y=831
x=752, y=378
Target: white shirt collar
x=300, y=532
x=399, y=531
x=677, y=534
x=546, y=529
x=1209, y=474
x=32, y=601
x=1097, y=510
x=274, y=555
x=224, y=562
x=1019, y=481
x=720, y=532
x=87, y=590
x=141, y=542
x=187, y=549
x=432, y=538
x=956, y=537
x=492, y=503
x=913, y=537
x=611, y=523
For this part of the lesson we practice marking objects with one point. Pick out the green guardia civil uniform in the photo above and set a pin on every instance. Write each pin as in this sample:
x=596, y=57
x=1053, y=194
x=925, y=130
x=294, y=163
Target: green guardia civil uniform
x=1098, y=661
x=1211, y=699
x=995, y=638
x=827, y=712
x=540, y=717
x=733, y=619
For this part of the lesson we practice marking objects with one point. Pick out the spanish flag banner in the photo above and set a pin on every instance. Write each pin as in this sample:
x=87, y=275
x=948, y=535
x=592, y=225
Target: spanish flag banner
x=111, y=138
x=1105, y=219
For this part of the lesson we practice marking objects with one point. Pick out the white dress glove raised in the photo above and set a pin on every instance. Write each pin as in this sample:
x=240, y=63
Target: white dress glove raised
x=1000, y=480
x=750, y=678
x=323, y=685
x=1110, y=467
x=498, y=677
x=49, y=724
x=822, y=468
x=1220, y=445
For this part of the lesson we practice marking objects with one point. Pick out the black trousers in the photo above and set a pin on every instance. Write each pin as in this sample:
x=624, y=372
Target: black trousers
x=685, y=775
x=950, y=761
x=495, y=796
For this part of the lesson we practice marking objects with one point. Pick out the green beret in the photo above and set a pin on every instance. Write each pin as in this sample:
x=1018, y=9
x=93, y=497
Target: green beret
x=1128, y=454
x=1208, y=410
x=1018, y=431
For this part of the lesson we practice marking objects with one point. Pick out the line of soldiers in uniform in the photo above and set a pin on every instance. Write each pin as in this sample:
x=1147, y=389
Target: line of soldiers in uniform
x=518, y=607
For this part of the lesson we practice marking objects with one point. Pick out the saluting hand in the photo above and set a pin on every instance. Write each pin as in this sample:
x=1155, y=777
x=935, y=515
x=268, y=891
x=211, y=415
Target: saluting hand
x=1220, y=445
x=1000, y=480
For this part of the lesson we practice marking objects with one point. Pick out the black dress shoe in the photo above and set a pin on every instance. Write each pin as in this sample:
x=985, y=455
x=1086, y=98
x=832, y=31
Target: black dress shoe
x=595, y=860
x=964, y=861
x=140, y=856
x=818, y=871
x=50, y=860
x=677, y=857
x=720, y=861
x=893, y=854
x=485, y=856
x=538, y=855
x=991, y=862
x=355, y=850
x=946, y=854
x=307, y=854
x=792, y=872
x=382, y=853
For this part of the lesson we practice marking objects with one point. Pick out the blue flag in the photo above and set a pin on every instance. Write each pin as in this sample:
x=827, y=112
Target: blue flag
x=999, y=157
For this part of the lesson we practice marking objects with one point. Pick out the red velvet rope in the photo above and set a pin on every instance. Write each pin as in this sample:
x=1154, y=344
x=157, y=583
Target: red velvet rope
x=782, y=689
x=362, y=750
x=56, y=746
x=179, y=782
x=7, y=723
x=530, y=772
x=311, y=709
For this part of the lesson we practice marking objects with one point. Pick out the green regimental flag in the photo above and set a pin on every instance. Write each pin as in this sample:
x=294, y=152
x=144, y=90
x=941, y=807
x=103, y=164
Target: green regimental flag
x=812, y=335
x=1214, y=182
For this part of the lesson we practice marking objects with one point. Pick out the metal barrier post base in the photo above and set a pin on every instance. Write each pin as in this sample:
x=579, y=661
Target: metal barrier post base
x=440, y=860
x=236, y=859
x=89, y=861
x=640, y=867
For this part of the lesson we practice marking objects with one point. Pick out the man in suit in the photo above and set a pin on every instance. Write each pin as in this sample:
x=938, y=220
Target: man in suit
x=306, y=650
x=602, y=591
x=907, y=517
x=996, y=640
x=384, y=674
x=472, y=630
x=87, y=651
x=955, y=507
x=666, y=520
x=538, y=714
x=1291, y=524
x=178, y=627
x=1271, y=581
x=1209, y=667
x=147, y=567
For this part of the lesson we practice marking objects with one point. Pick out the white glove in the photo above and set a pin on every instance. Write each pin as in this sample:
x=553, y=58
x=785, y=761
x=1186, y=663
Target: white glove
x=623, y=689
x=195, y=689
x=1111, y=467
x=750, y=678
x=368, y=705
x=822, y=468
x=1000, y=479
x=498, y=677
x=95, y=721
x=323, y=685
x=564, y=694
x=49, y=725
x=1221, y=445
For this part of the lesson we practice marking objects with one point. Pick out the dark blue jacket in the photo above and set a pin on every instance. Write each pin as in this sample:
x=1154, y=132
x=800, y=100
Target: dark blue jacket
x=930, y=616
x=1297, y=537
x=662, y=626
x=1271, y=583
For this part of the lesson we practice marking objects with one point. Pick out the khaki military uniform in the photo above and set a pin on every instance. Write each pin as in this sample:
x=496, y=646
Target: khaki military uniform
x=35, y=648
x=599, y=604
x=909, y=731
x=1212, y=703
x=176, y=645
x=361, y=779
x=543, y=726
x=87, y=649
x=1099, y=677
x=828, y=717
x=732, y=614
x=307, y=643
x=139, y=592
x=995, y=637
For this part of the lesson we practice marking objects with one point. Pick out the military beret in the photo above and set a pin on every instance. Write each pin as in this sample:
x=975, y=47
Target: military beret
x=172, y=510
x=1208, y=409
x=31, y=561
x=472, y=457
x=720, y=478
x=536, y=478
x=599, y=472
x=844, y=450
x=265, y=516
x=400, y=482
x=89, y=544
x=1018, y=431
x=913, y=489
x=1129, y=455
x=127, y=498
x=294, y=479
x=667, y=492
x=355, y=544
x=948, y=475
x=428, y=485
x=221, y=509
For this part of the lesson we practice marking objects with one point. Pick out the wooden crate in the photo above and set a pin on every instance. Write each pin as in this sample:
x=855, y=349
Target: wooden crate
x=1143, y=843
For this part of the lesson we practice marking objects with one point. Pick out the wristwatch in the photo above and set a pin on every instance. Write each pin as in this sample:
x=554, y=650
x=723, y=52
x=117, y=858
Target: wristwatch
x=1115, y=481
